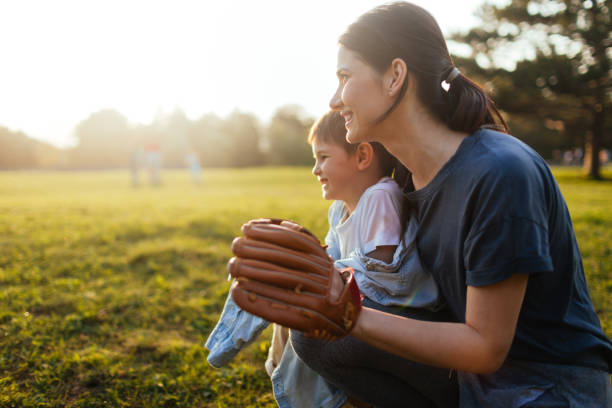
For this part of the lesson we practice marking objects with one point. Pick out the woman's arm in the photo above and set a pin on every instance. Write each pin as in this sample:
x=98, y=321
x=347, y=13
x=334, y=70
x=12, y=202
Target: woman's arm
x=478, y=346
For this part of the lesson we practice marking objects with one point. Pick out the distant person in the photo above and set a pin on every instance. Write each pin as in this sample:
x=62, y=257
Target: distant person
x=369, y=232
x=193, y=161
x=568, y=157
x=136, y=159
x=153, y=157
x=494, y=231
x=604, y=156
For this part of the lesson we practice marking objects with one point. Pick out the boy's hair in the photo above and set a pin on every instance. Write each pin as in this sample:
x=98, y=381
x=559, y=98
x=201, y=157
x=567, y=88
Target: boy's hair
x=330, y=129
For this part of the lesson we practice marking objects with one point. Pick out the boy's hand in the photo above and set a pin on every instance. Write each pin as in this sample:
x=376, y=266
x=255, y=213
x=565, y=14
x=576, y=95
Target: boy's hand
x=283, y=274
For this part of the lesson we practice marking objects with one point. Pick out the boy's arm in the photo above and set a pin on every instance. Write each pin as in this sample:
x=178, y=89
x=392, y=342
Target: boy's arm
x=383, y=253
x=380, y=224
x=331, y=240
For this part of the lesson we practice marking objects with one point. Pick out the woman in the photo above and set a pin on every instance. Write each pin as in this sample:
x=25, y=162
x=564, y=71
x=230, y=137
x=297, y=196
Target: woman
x=494, y=232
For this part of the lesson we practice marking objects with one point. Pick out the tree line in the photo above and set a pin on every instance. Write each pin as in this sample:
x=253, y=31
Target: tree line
x=106, y=140
x=555, y=93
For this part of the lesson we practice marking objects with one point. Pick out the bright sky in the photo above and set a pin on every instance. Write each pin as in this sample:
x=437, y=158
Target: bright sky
x=65, y=59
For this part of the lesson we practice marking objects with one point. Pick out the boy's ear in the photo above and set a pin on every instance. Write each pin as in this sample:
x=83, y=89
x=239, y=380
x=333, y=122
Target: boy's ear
x=365, y=155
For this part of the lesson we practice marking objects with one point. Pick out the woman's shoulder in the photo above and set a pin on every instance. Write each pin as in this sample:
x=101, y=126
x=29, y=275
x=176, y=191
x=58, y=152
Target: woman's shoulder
x=500, y=156
x=504, y=149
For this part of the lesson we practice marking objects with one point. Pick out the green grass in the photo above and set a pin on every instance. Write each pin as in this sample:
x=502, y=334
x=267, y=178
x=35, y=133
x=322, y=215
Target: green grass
x=107, y=292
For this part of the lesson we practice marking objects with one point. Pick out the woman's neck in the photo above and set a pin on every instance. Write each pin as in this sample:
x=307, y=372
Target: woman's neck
x=422, y=143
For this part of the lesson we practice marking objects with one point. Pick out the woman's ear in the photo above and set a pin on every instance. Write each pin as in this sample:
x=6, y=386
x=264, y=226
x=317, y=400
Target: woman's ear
x=365, y=155
x=395, y=76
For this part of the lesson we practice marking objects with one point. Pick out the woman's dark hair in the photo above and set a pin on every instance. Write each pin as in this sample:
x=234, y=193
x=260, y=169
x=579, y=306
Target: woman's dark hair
x=330, y=129
x=404, y=30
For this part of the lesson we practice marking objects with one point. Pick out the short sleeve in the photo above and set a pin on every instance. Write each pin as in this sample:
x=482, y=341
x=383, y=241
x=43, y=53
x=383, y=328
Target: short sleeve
x=380, y=220
x=508, y=233
x=498, y=251
x=334, y=215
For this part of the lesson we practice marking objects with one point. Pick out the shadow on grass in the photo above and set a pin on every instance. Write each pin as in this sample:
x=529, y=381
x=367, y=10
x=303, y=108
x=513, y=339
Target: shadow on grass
x=206, y=229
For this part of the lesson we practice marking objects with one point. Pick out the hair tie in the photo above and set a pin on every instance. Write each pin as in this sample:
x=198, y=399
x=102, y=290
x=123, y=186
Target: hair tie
x=452, y=75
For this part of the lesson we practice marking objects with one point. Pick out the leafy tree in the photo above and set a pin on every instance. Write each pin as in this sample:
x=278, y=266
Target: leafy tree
x=546, y=122
x=173, y=131
x=206, y=139
x=287, y=135
x=104, y=141
x=243, y=135
x=563, y=74
x=16, y=150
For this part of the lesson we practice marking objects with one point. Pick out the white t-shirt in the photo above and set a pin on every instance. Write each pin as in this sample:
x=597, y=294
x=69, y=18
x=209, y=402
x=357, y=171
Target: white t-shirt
x=375, y=221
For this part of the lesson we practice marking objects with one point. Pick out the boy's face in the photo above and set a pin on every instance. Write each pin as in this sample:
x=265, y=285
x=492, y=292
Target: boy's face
x=334, y=168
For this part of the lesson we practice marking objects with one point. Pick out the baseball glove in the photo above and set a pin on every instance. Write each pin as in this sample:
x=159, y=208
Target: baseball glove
x=283, y=274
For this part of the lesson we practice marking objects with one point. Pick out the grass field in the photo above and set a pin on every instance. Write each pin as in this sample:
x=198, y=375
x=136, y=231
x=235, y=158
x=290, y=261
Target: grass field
x=107, y=292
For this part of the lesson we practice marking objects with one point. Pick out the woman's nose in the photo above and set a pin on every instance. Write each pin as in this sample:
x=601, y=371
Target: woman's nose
x=315, y=169
x=335, y=103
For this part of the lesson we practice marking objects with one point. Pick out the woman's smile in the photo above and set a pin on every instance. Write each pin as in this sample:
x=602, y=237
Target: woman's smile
x=348, y=118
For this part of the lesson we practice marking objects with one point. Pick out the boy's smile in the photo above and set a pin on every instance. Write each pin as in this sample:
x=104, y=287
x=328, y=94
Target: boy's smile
x=334, y=168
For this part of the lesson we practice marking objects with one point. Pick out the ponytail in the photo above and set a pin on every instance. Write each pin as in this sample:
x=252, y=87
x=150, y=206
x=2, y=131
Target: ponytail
x=403, y=178
x=468, y=108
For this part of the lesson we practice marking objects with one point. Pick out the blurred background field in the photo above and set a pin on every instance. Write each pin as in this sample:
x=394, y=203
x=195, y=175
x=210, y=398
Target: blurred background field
x=109, y=291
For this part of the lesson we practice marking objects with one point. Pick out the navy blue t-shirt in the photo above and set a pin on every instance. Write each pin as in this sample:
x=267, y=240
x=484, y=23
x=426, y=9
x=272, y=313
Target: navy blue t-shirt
x=493, y=210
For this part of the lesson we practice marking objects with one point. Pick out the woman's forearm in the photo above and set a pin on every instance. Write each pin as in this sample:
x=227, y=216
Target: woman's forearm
x=450, y=345
x=480, y=345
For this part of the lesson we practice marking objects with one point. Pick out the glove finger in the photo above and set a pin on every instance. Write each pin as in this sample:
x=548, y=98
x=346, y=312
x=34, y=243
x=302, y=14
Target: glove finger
x=286, y=237
x=265, y=251
x=280, y=221
x=307, y=300
x=297, y=227
x=277, y=221
x=311, y=322
x=271, y=309
x=276, y=275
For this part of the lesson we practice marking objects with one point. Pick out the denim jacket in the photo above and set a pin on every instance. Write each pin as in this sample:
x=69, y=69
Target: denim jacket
x=294, y=384
x=402, y=282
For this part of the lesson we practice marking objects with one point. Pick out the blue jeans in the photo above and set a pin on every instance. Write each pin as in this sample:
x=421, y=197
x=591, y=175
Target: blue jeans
x=528, y=384
x=376, y=376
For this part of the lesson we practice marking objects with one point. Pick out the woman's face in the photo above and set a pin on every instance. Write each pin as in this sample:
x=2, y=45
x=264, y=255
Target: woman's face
x=360, y=96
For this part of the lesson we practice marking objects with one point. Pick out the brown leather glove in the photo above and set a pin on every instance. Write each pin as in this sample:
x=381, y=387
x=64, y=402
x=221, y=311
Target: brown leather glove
x=283, y=274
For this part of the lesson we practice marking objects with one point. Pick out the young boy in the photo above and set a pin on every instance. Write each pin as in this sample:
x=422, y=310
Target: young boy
x=369, y=228
x=368, y=232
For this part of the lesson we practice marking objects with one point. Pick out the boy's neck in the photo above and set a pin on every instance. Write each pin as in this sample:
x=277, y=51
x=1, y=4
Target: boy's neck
x=359, y=185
